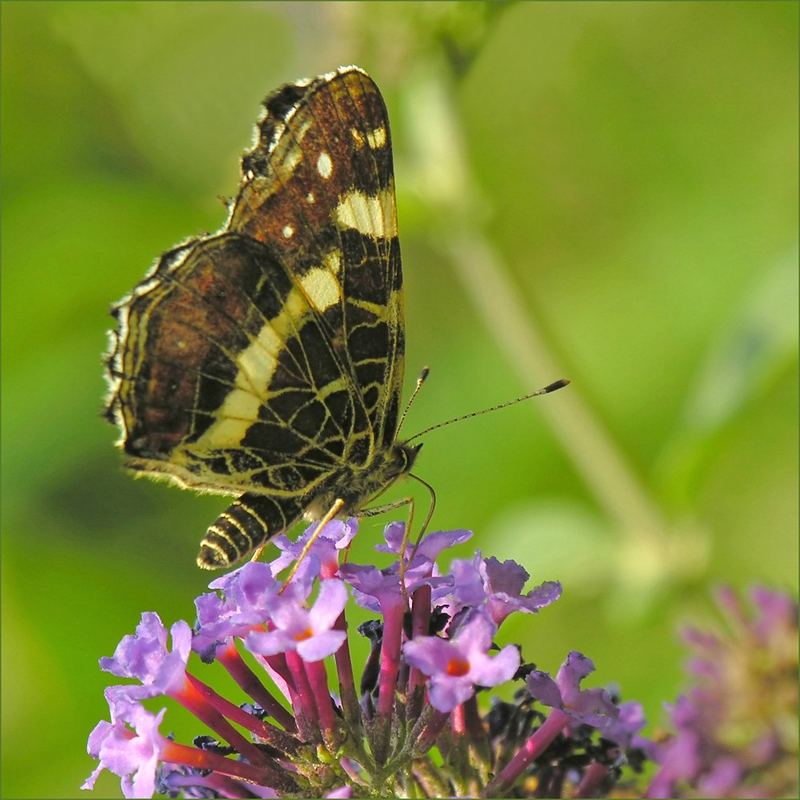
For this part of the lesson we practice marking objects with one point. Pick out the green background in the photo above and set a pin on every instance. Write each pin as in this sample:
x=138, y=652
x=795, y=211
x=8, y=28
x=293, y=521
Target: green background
x=614, y=184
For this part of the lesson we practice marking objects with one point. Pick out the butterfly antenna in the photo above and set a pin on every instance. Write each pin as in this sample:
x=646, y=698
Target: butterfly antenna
x=423, y=376
x=551, y=387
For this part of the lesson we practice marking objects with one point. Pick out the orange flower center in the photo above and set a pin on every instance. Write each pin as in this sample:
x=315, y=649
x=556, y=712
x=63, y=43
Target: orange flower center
x=456, y=667
x=303, y=635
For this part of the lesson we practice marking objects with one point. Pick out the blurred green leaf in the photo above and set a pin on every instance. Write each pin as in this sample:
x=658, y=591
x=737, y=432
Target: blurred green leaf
x=747, y=356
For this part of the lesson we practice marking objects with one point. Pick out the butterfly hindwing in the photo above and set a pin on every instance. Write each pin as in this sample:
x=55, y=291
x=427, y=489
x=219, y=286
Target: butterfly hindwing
x=224, y=397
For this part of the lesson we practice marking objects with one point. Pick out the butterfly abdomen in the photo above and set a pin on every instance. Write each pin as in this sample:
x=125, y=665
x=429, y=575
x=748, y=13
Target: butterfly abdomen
x=249, y=522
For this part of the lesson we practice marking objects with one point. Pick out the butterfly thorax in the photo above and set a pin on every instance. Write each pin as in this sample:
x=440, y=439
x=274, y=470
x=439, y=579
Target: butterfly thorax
x=356, y=486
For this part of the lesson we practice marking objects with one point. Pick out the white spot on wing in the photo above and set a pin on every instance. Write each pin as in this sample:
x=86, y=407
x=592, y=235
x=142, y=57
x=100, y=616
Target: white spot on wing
x=324, y=165
x=333, y=261
x=372, y=215
x=288, y=231
x=321, y=287
x=377, y=138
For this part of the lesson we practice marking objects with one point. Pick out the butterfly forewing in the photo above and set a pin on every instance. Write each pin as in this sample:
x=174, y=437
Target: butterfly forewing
x=324, y=193
x=267, y=360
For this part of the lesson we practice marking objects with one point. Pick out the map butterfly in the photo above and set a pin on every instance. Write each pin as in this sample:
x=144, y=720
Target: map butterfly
x=266, y=361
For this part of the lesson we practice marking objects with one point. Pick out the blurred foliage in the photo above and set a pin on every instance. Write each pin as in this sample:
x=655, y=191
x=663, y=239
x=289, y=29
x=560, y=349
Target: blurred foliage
x=631, y=166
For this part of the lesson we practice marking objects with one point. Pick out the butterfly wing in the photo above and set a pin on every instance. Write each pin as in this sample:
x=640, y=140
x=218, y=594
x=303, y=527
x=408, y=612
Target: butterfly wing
x=260, y=361
x=319, y=186
x=218, y=364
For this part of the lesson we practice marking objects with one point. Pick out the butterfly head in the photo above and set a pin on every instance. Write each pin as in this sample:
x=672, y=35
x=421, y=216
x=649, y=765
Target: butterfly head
x=405, y=455
x=392, y=464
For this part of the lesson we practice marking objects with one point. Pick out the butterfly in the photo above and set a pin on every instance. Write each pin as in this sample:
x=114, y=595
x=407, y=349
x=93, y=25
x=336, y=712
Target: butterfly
x=266, y=361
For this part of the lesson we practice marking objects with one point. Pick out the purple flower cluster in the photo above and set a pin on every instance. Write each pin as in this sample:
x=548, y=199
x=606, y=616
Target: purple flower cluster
x=736, y=728
x=413, y=727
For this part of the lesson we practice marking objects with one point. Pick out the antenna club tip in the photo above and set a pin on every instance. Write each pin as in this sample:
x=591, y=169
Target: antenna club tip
x=559, y=384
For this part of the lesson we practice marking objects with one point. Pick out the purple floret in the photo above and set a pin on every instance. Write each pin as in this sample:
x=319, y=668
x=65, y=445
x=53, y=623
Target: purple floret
x=429, y=548
x=592, y=707
x=309, y=631
x=247, y=598
x=144, y=655
x=324, y=553
x=130, y=746
x=497, y=585
x=457, y=665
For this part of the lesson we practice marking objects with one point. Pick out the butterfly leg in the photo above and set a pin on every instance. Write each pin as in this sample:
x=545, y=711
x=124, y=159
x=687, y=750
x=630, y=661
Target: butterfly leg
x=382, y=509
x=247, y=523
x=337, y=506
x=405, y=501
x=408, y=501
x=373, y=512
x=256, y=556
x=428, y=516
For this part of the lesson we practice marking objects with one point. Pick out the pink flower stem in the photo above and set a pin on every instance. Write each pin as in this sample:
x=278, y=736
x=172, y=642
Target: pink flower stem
x=458, y=755
x=275, y=667
x=174, y=753
x=390, y=656
x=420, y=626
x=592, y=780
x=387, y=677
x=321, y=695
x=421, y=610
x=193, y=700
x=472, y=720
x=457, y=724
x=531, y=750
x=478, y=738
x=233, y=662
x=269, y=733
x=347, y=684
x=305, y=708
